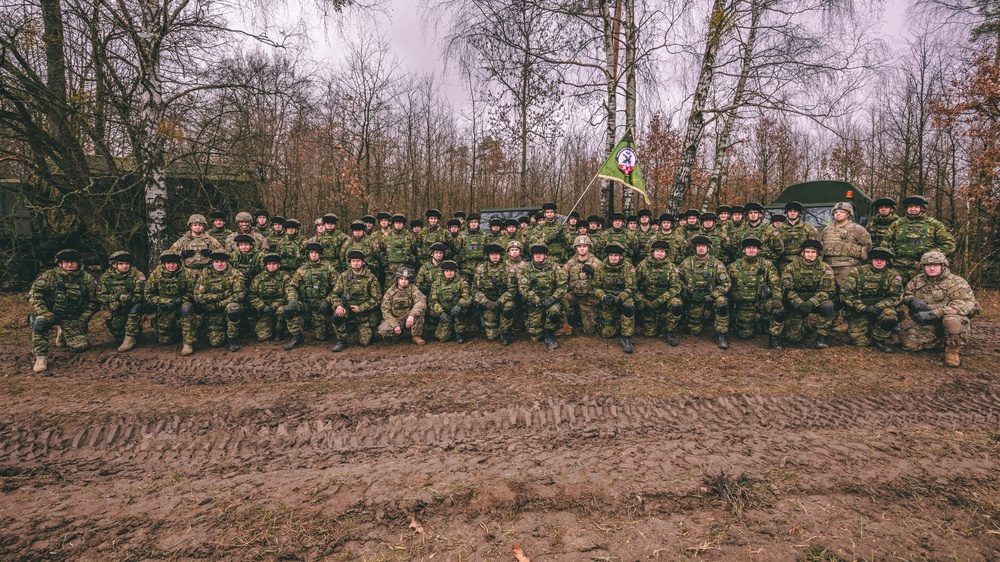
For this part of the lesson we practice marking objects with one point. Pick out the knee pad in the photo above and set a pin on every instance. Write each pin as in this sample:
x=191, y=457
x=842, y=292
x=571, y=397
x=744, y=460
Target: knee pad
x=628, y=311
x=288, y=313
x=722, y=310
x=39, y=325
x=555, y=317
x=339, y=321
x=952, y=324
x=779, y=315
x=233, y=315
x=828, y=310
x=508, y=312
x=677, y=309
x=187, y=310
x=888, y=324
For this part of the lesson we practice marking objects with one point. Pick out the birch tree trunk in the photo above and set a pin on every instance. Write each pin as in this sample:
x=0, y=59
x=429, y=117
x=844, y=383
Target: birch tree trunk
x=631, y=37
x=611, y=71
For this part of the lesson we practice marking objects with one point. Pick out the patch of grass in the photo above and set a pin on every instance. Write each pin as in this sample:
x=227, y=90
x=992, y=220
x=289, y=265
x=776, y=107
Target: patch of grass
x=820, y=554
x=738, y=494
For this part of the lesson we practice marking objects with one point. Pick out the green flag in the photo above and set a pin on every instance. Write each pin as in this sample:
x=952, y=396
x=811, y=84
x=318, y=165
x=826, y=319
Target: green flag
x=622, y=166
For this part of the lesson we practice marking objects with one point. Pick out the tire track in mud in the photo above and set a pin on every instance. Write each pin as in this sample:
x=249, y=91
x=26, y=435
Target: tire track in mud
x=215, y=439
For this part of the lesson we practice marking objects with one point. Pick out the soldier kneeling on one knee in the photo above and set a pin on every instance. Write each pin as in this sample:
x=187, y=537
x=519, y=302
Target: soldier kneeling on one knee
x=268, y=298
x=810, y=287
x=64, y=296
x=872, y=296
x=942, y=305
x=120, y=289
x=403, y=307
x=356, y=296
x=218, y=293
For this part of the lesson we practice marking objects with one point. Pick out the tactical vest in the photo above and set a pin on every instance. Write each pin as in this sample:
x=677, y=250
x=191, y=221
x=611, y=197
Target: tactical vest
x=542, y=281
x=702, y=280
x=658, y=274
x=749, y=285
x=493, y=281
x=270, y=287
x=315, y=282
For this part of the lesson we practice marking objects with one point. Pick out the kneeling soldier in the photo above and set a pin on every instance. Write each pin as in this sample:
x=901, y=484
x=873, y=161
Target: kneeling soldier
x=169, y=289
x=494, y=293
x=943, y=305
x=706, y=285
x=809, y=287
x=307, y=291
x=614, y=286
x=356, y=296
x=659, y=288
x=542, y=284
x=873, y=296
x=218, y=293
x=268, y=296
x=756, y=291
x=403, y=308
x=120, y=289
x=65, y=296
x=450, y=299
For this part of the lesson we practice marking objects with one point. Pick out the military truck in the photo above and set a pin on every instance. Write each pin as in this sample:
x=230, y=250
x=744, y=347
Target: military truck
x=486, y=215
x=818, y=199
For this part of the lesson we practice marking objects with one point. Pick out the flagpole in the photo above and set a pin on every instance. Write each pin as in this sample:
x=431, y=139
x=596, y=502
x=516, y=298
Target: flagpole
x=580, y=199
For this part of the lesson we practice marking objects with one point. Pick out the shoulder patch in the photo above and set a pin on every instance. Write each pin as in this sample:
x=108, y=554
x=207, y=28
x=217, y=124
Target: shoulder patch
x=899, y=278
x=142, y=278
x=829, y=272
x=524, y=280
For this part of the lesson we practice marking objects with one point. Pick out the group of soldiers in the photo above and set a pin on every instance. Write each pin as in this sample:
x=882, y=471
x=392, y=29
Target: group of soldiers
x=403, y=279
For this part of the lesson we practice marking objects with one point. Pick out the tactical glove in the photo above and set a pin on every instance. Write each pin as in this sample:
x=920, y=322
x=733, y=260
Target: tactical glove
x=547, y=302
x=588, y=269
x=805, y=308
x=870, y=311
x=456, y=310
x=708, y=300
x=492, y=306
x=444, y=318
x=205, y=252
x=610, y=299
x=925, y=317
x=267, y=310
x=686, y=294
x=176, y=302
x=187, y=254
x=917, y=304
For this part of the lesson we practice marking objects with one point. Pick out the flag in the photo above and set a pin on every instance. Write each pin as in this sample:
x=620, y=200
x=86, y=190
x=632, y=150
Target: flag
x=622, y=166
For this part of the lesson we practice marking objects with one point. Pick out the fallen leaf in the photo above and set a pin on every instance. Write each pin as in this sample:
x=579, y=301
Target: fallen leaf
x=416, y=526
x=519, y=554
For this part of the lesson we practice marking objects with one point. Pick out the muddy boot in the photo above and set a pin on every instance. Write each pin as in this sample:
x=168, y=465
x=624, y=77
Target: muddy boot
x=821, y=342
x=840, y=326
x=294, y=342
x=127, y=344
x=882, y=346
x=459, y=338
x=723, y=341
x=233, y=346
x=550, y=339
x=566, y=329
x=504, y=339
x=774, y=342
x=60, y=338
x=41, y=364
x=341, y=345
x=907, y=343
x=671, y=339
x=951, y=357
x=418, y=340
x=187, y=349
x=626, y=344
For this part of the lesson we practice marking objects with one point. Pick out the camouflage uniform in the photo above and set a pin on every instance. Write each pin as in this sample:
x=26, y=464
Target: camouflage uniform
x=259, y=241
x=195, y=251
x=63, y=298
x=614, y=287
x=845, y=247
x=308, y=291
x=555, y=236
x=366, y=245
x=623, y=237
x=268, y=297
x=218, y=295
x=361, y=290
x=676, y=252
x=645, y=239
x=219, y=234
x=720, y=248
x=472, y=253
x=400, y=250
x=882, y=290
x=445, y=295
x=332, y=242
x=291, y=250
x=792, y=237
x=541, y=287
x=953, y=303
x=774, y=246
x=169, y=291
x=494, y=291
x=705, y=278
x=429, y=236
x=756, y=290
x=813, y=284
x=249, y=264
x=658, y=289
x=580, y=290
x=911, y=237
x=122, y=294
x=878, y=227
x=400, y=303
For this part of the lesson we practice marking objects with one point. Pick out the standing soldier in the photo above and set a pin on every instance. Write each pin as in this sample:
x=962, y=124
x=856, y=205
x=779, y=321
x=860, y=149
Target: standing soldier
x=809, y=286
x=675, y=242
x=620, y=235
x=756, y=291
x=873, y=296
x=64, y=296
x=277, y=231
x=431, y=234
x=400, y=249
x=723, y=212
x=845, y=246
x=581, y=270
x=244, y=226
x=431, y=269
x=170, y=288
x=403, y=308
x=120, y=289
x=360, y=241
x=307, y=293
x=416, y=225
x=218, y=229
x=706, y=286
x=196, y=246
x=885, y=215
x=720, y=242
x=554, y=235
x=268, y=296
x=942, y=304
x=290, y=246
x=755, y=226
x=542, y=285
x=381, y=234
x=794, y=233
x=735, y=223
x=356, y=296
x=690, y=225
x=493, y=291
x=473, y=247
x=332, y=240
x=449, y=301
x=261, y=222
x=454, y=239
x=644, y=234
x=495, y=235
x=915, y=234
x=246, y=257
x=614, y=286
x=658, y=289
x=218, y=293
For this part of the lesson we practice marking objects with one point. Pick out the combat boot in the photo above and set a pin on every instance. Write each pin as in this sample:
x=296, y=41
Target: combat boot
x=60, y=338
x=774, y=342
x=294, y=342
x=341, y=345
x=951, y=357
x=550, y=339
x=459, y=338
x=233, y=346
x=626, y=344
x=187, y=349
x=723, y=341
x=418, y=340
x=566, y=329
x=127, y=344
x=671, y=339
x=41, y=364
x=908, y=343
x=504, y=339
x=882, y=346
x=821, y=342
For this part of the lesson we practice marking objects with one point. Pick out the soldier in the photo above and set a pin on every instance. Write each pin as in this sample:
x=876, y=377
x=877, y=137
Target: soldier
x=581, y=270
x=332, y=240
x=262, y=220
x=170, y=288
x=614, y=286
x=460, y=215
x=400, y=249
x=308, y=291
x=493, y=290
x=756, y=293
x=120, y=290
x=620, y=235
x=356, y=296
x=453, y=239
x=675, y=242
x=246, y=257
x=218, y=229
x=658, y=288
x=778, y=221
x=510, y=230
x=872, y=296
x=723, y=212
x=268, y=297
x=644, y=234
x=430, y=235
x=290, y=246
x=552, y=234
x=416, y=225
x=793, y=233
x=916, y=233
x=845, y=245
x=705, y=287
x=473, y=247
x=809, y=286
x=735, y=224
x=431, y=269
x=244, y=226
x=277, y=231
x=403, y=308
x=690, y=225
x=572, y=220
x=360, y=241
x=542, y=284
x=384, y=226
x=319, y=227
x=218, y=293
x=885, y=215
x=449, y=300
x=942, y=304
x=65, y=296
x=496, y=235
x=369, y=222
x=720, y=242
x=196, y=247
x=755, y=227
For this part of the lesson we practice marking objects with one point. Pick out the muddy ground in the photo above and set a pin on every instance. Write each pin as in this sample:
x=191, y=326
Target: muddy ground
x=451, y=452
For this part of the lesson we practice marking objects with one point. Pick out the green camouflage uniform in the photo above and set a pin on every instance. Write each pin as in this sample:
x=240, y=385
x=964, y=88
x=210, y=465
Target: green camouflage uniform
x=619, y=281
x=949, y=297
x=332, y=242
x=400, y=250
x=274, y=238
x=361, y=290
x=813, y=283
x=260, y=243
x=792, y=237
x=399, y=303
x=291, y=250
x=307, y=293
x=429, y=236
x=676, y=252
x=705, y=276
x=122, y=294
x=249, y=264
x=687, y=232
x=866, y=286
x=659, y=288
x=472, y=253
x=911, y=237
x=367, y=245
x=536, y=283
x=555, y=236
x=622, y=237
x=220, y=234
x=168, y=291
x=645, y=239
x=756, y=290
x=218, y=295
x=195, y=251
x=580, y=291
x=494, y=290
x=446, y=294
x=67, y=299
x=773, y=245
x=720, y=247
x=879, y=226
x=268, y=297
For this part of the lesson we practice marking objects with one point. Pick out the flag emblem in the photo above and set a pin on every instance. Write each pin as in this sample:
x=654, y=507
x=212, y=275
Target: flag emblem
x=626, y=159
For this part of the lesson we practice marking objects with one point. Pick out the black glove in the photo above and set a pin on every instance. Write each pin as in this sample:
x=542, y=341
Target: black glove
x=205, y=252
x=588, y=269
x=547, y=302
x=187, y=254
x=870, y=311
x=293, y=305
x=176, y=302
x=456, y=310
x=164, y=307
x=685, y=294
x=444, y=318
x=708, y=300
x=805, y=308
x=492, y=306
x=610, y=299
x=267, y=310
x=917, y=304
x=925, y=316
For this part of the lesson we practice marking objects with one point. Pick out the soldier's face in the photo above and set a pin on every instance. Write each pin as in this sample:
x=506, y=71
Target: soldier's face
x=244, y=226
x=511, y=230
x=932, y=269
x=632, y=225
x=320, y=228
x=383, y=223
x=218, y=223
x=357, y=264
x=539, y=257
x=885, y=210
x=659, y=254
x=417, y=229
x=453, y=229
x=123, y=266
x=514, y=252
x=273, y=266
x=399, y=225
x=197, y=227
x=708, y=225
x=550, y=214
x=666, y=226
x=841, y=215
x=615, y=259
x=495, y=228
x=450, y=273
x=617, y=224
x=754, y=216
x=723, y=216
x=277, y=227
x=369, y=225
x=432, y=220
x=751, y=251
x=473, y=224
x=403, y=282
x=701, y=249
x=879, y=263
x=313, y=255
x=437, y=255
x=291, y=231
x=593, y=225
x=171, y=265
x=572, y=221
x=644, y=220
x=914, y=210
x=792, y=214
x=810, y=254
x=582, y=229
x=69, y=265
x=582, y=250
x=220, y=265
x=244, y=247
x=737, y=217
x=358, y=233
x=692, y=220
x=262, y=220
